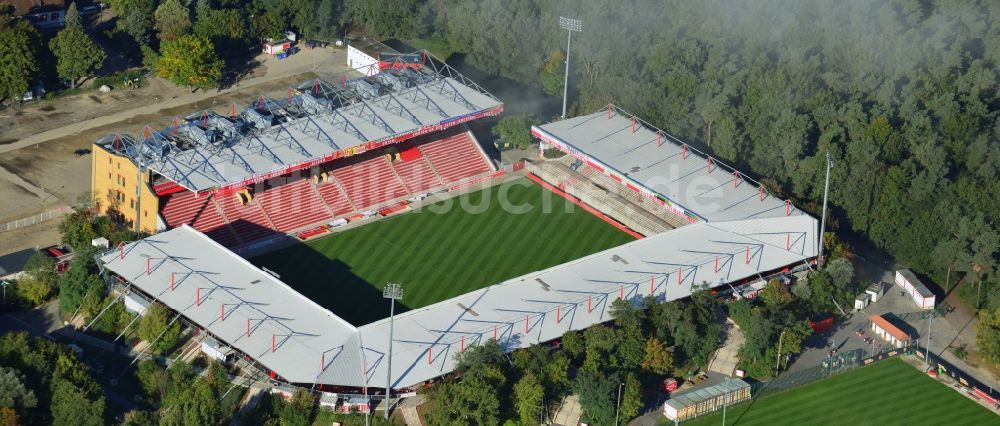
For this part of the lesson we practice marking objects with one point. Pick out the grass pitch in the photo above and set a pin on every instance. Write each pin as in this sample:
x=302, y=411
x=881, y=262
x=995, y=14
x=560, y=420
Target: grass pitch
x=887, y=393
x=440, y=252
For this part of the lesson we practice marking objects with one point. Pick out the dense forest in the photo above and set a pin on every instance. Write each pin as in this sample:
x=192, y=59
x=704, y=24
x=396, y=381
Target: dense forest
x=901, y=93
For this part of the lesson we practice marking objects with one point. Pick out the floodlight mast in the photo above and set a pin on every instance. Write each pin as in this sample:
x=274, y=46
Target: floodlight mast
x=392, y=291
x=569, y=25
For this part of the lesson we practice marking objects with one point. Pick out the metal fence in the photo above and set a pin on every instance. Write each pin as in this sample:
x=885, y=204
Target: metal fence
x=35, y=219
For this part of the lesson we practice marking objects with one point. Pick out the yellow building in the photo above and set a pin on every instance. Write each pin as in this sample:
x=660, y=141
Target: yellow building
x=116, y=191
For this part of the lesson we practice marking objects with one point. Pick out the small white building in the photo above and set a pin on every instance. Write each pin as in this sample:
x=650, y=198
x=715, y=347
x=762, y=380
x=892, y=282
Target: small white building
x=862, y=301
x=876, y=290
x=363, y=56
x=135, y=303
x=920, y=294
x=215, y=350
x=889, y=332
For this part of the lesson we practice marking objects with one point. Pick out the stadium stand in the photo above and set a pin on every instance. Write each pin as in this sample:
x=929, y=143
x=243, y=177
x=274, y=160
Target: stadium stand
x=370, y=182
x=456, y=157
x=288, y=165
x=293, y=204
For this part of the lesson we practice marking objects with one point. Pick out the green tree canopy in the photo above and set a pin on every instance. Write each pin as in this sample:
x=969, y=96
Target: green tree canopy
x=172, y=20
x=77, y=56
x=658, y=357
x=190, y=61
x=385, y=18
x=528, y=393
x=19, y=44
x=158, y=328
x=515, y=130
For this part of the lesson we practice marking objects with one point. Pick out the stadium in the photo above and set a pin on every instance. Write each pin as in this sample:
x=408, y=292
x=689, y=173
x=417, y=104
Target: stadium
x=229, y=200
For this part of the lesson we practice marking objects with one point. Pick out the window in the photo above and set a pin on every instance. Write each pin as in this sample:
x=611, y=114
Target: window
x=109, y=175
x=131, y=203
x=54, y=16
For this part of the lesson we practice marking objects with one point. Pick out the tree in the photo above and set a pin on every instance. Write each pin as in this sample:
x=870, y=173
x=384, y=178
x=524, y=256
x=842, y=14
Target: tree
x=988, y=335
x=80, y=280
x=172, y=19
x=573, y=344
x=13, y=393
x=141, y=418
x=631, y=402
x=77, y=56
x=597, y=393
x=296, y=412
x=384, y=18
x=775, y=294
x=190, y=61
x=72, y=18
x=528, y=393
x=76, y=405
x=659, y=359
x=136, y=23
x=19, y=44
x=841, y=272
x=158, y=328
x=515, y=130
x=473, y=401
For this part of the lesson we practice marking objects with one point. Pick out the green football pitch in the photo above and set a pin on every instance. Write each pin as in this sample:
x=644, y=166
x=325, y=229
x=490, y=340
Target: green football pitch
x=442, y=250
x=887, y=393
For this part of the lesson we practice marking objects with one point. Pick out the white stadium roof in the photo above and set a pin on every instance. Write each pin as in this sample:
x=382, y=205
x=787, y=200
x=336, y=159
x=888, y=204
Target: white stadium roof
x=317, y=122
x=526, y=310
x=653, y=159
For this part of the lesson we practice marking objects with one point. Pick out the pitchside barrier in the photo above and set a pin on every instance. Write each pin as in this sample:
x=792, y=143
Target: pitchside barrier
x=973, y=387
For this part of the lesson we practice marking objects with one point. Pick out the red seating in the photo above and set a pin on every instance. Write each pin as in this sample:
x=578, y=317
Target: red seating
x=335, y=197
x=292, y=204
x=248, y=221
x=199, y=212
x=417, y=174
x=369, y=182
x=392, y=208
x=309, y=233
x=455, y=157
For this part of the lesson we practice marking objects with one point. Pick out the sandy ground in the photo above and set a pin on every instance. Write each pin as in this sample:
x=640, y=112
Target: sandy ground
x=40, y=168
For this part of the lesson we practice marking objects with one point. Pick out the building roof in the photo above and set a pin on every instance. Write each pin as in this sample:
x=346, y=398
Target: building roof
x=24, y=7
x=651, y=158
x=915, y=282
x=890, y=328
x=694, y=396
x=13, y=263
x=318, y=121
x=522, y=311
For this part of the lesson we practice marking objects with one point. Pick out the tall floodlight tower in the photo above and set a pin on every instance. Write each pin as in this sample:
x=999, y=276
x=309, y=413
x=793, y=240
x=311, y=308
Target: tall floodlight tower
x=570, y=25
x=393, y=292
x=822, y=221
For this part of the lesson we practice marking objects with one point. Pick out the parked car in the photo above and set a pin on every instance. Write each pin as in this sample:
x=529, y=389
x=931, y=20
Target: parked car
x=87, y=10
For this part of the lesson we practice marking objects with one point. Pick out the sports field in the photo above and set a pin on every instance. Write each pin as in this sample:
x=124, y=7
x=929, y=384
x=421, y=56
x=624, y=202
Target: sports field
x=442, y=250
x=887, y=393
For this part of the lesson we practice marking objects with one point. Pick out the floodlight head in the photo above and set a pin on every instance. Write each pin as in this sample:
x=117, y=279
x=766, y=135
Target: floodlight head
x=570, y=24
x=392, y=291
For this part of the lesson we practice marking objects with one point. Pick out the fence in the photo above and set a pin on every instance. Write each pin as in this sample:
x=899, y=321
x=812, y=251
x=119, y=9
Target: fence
x=35, y=219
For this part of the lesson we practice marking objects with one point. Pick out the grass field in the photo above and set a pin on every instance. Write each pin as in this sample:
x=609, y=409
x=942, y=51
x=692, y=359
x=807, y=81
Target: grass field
x=888, y=393
x=438, y=252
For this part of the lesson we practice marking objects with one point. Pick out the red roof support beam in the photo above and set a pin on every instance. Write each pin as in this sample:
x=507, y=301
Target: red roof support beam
x=149, y=262
x=651, y=285
x=716, y=264
x=621, y=292
x=526, y=324
x=316, y=86
x=494, y=332
x=430, y=354
x=232, y=110
x=204, y=119
x=788, y=207
x=590, y=303
x=289, y=95
x=322, y=362
x=260, y=103
x=609, y=111
x=462, y=347
x=684, y=152
x=633, y=124
x=736, y=178
x=680, y=276
x=248, y=327
x=709, y=165
x=121, y=250
x=558, y=314
x=274, y=343
x=172, y=279
x=748, y=255
x=222, y=311
x=788, y=241
x=176, y=125
x=762, y=193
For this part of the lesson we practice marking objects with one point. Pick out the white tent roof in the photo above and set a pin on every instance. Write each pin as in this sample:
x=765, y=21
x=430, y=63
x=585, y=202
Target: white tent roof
x=526, y=310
